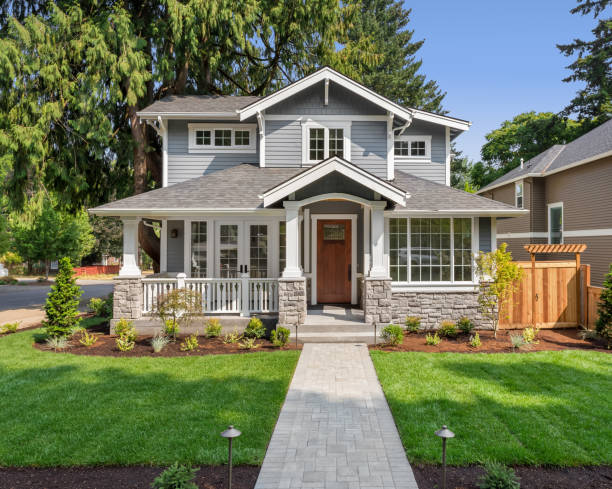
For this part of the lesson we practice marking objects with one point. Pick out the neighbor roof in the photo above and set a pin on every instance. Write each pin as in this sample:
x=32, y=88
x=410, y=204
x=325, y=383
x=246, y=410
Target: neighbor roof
x=212, y=105
x=240, y=188
x=593, y=145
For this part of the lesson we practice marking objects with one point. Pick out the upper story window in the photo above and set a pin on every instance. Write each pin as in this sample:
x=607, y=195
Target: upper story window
x=412, y=147
x=322, y=141
x=220, y=138
x=555, y=223
x=518, y=193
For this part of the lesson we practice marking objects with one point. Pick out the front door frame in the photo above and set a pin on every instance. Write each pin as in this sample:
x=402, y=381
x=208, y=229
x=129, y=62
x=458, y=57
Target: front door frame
x=314, y=218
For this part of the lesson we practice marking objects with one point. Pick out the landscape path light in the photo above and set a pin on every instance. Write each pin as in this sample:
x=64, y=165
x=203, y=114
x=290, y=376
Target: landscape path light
x=445, y=434
x=230, y=433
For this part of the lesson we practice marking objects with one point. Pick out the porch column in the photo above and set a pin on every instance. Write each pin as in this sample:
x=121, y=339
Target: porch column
x=377, y=229
x=292, y=268
x=130, y=266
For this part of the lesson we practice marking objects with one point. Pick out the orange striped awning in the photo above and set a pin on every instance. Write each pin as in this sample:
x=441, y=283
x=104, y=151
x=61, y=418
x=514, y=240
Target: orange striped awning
x=555, y=248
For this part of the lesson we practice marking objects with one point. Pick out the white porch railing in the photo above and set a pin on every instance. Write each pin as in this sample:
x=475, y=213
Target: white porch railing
x=219, y=295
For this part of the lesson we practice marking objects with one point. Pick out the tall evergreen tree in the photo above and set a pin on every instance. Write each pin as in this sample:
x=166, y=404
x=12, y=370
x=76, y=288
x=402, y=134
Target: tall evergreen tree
x=396, y=72
x=61, y=308
x=593, y=65
x=604, y=321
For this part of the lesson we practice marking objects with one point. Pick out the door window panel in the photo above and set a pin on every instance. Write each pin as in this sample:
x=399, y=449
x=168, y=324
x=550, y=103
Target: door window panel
x=198, y=249
x=258, y=251
x=228, y=250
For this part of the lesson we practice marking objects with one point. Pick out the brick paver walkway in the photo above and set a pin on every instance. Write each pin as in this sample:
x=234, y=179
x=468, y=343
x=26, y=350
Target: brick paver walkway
x=335, y=430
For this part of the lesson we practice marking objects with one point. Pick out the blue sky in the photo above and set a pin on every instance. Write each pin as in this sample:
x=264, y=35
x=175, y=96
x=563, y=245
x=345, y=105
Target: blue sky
x=497, y=59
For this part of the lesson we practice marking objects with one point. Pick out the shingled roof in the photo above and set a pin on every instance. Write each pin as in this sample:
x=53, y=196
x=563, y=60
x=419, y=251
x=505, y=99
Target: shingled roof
x=593, y=145
x=198, y=104
x=240, y=188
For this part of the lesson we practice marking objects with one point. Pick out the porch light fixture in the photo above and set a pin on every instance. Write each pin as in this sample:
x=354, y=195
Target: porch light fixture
x=174, y=233
x=444, y=433
x=230, y=433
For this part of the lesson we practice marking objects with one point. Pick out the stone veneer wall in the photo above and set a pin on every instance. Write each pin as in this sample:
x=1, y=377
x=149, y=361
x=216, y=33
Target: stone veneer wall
x=291, y=301
x=127, y=299
x=376, y=299
x=434, y=307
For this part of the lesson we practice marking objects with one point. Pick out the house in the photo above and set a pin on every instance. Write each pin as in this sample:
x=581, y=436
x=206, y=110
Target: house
x=568, y=191
x=323, y=192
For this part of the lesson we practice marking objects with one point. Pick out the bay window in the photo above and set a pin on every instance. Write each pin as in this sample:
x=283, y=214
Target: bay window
x=430, y=249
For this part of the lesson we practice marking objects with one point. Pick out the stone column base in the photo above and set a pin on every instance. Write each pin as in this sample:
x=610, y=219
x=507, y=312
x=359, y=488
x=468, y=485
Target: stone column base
x=291, y=301
x=127, y=298
x=376, y=297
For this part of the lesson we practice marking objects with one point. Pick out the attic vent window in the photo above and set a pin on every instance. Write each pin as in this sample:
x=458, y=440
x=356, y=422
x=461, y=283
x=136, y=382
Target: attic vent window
x=409, y=146
x=221, y=138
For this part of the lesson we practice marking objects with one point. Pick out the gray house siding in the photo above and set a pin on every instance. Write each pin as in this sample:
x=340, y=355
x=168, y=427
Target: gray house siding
x=484, y=234
x=176, y=248
x=283, y=144
x=432, y=170
x=183, y=165
x=369, y=146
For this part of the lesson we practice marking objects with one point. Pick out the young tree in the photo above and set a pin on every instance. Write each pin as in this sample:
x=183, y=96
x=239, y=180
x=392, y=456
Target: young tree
x=592, y=66
x=61, y=308
x=498, y=276
x=460, y=168
x=604, y=322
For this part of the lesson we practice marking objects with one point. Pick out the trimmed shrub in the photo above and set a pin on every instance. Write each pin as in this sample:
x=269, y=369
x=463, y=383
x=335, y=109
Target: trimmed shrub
x=475, y=341
x=248, y=344
x=9, y=327
x=530, y=335
x=125, y=328
x=190, y=343
x=413, y=324
x=432, y=340
x=124, y=343
x=176, y=477
x=465, y=325
x=255, y=329
x=212, y=328
x=171, y=328
x=280, y=336
x=231, y=338
x=61, y=308
x=102, y=307
x=392, y=334
x=498, y=476
x=86, y=338
x=448, y=329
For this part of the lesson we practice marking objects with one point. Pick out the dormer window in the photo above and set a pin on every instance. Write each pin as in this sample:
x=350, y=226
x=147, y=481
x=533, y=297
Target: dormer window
x=518, y=193
x=408, y=147
x=221, y=138
x=324, y=140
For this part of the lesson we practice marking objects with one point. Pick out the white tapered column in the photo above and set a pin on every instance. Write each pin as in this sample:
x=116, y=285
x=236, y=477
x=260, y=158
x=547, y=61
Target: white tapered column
x=130, y=266
x=292, y=268
x=377, y=229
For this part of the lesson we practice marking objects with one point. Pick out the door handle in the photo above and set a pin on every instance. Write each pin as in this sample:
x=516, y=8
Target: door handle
x=246, y=269
x=349, y=272
x=241, y=268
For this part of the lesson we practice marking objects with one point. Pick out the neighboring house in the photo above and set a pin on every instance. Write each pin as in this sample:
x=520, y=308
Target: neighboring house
x=322, y=192
x=568, y=191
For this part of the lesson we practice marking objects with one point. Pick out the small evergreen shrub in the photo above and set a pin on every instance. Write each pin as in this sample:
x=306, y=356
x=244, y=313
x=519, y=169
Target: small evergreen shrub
x=231, y=338
x=125, y=344
x=102, y=307
x=159, y=342
x=61, y=308
x=57, y=342
x=448, y=329
x=255, y=329
x=392, y=334
x=432, y=340
x=9, y=327
x=465, y=325
x=176, y=477
x=604, y=322
x=280, y=336
x=171, y=328
x=248, y=344
x=498, y=476
x=212, y=328
x=190, y=343
x=475, y=341
x=125, y=329
x=413, y=323
x=86, y=338
x=530, y=335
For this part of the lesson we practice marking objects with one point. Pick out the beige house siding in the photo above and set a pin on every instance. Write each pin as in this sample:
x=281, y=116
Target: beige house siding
x=598, y=254
x=514, y=224
x=537, y=192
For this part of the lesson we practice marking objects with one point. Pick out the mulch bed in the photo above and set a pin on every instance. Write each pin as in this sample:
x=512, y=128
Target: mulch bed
x=548, y=339
x=208, y=477
x=599, y=477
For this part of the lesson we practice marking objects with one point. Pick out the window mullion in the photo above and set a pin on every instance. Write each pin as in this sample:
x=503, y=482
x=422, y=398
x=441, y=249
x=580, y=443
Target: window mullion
x=325, y=143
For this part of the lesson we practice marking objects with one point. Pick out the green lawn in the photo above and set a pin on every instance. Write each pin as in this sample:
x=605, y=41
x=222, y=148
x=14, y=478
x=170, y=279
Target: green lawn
x=535, y=408
x=62, y=409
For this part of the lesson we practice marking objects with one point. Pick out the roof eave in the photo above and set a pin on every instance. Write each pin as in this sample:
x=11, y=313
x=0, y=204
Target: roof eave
x=463, y=212
x=187, y=115
x=180, y=212
x=494, y=185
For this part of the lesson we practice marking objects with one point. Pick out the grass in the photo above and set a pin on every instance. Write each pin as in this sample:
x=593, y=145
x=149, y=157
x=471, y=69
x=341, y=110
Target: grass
x=66, y=410
x=536, y=408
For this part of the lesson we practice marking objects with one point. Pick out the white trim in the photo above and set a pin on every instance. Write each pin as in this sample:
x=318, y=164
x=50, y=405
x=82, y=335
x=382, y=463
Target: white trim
x=187, y=247
x=129, y=266
x=447, y=157
x=163, y=247
x=306, y=240
x=519, y=184
x=325, y=117
x=212, y=127
x=326, y=126
x=522, y=235
x=358, y=89
x=456, y=213
x=367, y=254
x=548, y=208
x=180, y=212
x=313, y=284
x=145, y=116
x=390, y=147
x=164, y=125
x=331, y=165
x=588, y=233
x=261, y=122
x=410, y=138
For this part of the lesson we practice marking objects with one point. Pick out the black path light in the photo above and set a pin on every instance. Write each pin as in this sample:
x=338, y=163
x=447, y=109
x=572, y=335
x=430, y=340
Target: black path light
x=230, y=433
x=444, y=433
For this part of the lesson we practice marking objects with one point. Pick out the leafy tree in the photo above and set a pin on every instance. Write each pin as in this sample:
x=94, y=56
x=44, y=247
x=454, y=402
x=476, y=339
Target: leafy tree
x=498, y=276
x=46, y=234
x=108, y=235
x=61, y=308
x=5, y=240
x=604, y=322
x=395, y=74
x=592, y=65
x=460, y=168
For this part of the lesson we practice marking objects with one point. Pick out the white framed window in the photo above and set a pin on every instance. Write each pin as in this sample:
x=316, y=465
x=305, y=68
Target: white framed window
x=221, y=138
x=412, y=147
x=518, y=194
x=321, y=141
x=555, y=223
x=431, y=250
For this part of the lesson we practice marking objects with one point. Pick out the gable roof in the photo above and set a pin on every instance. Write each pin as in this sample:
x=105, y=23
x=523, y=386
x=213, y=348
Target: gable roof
x=594, y=145
x=197, y=105
x=327, y=73
x=239, y=188
x=330, y=165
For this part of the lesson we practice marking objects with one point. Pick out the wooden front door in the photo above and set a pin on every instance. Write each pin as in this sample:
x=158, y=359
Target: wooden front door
x=334, y=261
